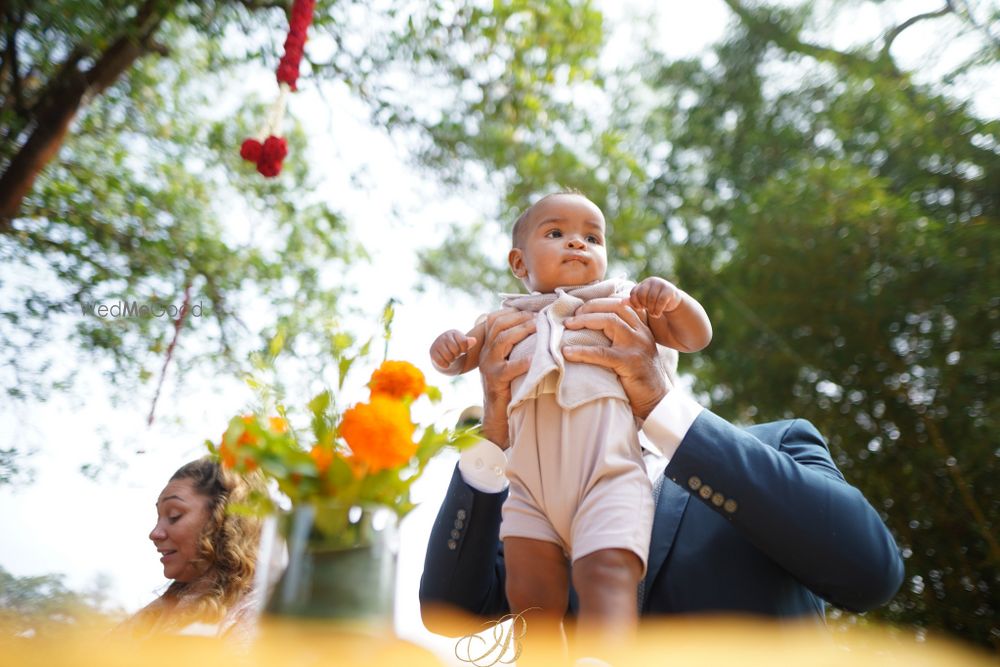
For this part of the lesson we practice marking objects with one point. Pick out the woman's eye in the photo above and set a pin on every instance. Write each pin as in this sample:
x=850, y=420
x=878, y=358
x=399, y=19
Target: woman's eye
x=173, y=519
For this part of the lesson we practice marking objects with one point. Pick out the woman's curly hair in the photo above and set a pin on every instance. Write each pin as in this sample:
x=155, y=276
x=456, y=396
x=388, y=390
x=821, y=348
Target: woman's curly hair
x=227, y=551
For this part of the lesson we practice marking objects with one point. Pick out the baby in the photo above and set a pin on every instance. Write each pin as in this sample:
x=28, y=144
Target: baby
x=579, y=493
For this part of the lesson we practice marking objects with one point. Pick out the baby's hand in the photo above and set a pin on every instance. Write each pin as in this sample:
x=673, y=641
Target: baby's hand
x=656, y=296
x=449, y=346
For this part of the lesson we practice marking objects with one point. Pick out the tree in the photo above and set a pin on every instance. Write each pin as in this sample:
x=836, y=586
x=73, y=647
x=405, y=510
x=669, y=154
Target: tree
x=120, y=179
x=834, y=214
x=40, y=606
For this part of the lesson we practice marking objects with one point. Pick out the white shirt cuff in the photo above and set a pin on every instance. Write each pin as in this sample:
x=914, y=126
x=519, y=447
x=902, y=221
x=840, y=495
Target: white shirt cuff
x=670, y=420
x=483, y=466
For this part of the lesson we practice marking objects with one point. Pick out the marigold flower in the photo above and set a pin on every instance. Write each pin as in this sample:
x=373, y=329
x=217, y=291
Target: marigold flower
x=379, y=432
x=323, y=456
x=278, y=424
x=230, y=456
x=398, y=379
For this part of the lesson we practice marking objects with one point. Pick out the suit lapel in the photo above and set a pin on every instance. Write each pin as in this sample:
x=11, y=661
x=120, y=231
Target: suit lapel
x=669, y=510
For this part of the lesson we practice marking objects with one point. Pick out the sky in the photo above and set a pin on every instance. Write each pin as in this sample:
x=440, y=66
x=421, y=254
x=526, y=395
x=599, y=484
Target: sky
x=66, y=523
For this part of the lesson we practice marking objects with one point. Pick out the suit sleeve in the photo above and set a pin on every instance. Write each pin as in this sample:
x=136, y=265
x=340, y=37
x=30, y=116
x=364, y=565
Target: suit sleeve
x=464, y=565
x=794, y=505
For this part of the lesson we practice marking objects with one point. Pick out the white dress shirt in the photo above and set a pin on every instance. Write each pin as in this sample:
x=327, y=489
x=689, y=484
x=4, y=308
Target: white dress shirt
x=483, y=466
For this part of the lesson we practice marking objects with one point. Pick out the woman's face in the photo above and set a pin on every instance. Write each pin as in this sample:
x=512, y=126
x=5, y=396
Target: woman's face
x=182, y=514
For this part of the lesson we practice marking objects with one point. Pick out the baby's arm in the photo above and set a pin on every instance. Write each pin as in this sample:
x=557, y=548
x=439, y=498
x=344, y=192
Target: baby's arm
x=676, y=319
x=454, y=353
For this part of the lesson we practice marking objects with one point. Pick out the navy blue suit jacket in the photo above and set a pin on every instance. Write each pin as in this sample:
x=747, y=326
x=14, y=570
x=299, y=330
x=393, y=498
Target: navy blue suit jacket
x=750, y=520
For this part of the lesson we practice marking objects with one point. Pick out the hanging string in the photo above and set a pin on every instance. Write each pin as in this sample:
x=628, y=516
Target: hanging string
x=178, y=324
x=268, y=149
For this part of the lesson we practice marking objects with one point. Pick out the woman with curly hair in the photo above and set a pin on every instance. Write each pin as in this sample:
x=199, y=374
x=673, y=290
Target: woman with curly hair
x=208, y=551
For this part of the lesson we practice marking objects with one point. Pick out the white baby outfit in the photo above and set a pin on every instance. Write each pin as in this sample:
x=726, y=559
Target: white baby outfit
x=576, y=473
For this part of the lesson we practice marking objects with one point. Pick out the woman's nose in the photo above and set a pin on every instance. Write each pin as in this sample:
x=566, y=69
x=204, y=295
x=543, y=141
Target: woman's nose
x=157, y=533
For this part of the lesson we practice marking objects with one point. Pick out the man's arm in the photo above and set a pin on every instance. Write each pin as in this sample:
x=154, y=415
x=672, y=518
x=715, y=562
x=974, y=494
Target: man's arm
x=792, y=502
x=464, y=566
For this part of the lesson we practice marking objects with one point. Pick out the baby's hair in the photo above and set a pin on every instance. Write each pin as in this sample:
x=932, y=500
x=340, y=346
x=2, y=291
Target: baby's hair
x=517, y=232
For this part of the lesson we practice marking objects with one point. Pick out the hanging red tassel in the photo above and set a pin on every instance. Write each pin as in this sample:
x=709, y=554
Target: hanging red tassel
x=268, y=149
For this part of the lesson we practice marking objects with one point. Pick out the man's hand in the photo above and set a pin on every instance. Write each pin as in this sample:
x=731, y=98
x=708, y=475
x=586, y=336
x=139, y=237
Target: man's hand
x=656, y=296
x=632, y=355
x=503, y=330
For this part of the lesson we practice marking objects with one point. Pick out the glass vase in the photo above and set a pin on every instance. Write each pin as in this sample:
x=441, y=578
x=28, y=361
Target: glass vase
x=341, y=563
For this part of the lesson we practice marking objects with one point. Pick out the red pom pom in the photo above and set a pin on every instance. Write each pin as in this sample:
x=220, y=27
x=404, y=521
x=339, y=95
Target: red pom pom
x=275, y=148
x=269, y=169
x=271, y=156
x=250, y=150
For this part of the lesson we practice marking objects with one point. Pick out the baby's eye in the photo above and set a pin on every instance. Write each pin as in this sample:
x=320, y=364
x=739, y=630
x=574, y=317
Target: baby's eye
x=553, y=234
x=593, y=239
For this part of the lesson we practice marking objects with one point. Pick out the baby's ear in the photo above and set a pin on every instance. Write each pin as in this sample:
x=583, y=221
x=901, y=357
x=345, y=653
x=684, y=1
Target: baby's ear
x=516, y=260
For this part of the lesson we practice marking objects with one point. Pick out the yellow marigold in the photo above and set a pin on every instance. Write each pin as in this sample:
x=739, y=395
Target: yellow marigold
x=398, y=379
x=278, y=424
x=379, y=432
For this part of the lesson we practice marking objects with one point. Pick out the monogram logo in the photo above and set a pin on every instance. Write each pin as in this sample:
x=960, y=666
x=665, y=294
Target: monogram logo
x=476, y=650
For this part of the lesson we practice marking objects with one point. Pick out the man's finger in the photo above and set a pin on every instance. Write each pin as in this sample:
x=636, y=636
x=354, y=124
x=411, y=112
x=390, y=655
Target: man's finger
x=608, y=305
x=504, y=319
x=592, y=354
x=517, y=368
x=506, y=333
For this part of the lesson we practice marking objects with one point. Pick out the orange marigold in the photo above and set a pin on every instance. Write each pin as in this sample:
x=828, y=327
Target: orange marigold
x=231, y=455
x=323, y=456
x=379, y=432
x=398, y=379
x=278, y=424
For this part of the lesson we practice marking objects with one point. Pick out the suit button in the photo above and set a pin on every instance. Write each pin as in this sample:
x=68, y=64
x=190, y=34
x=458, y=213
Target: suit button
x=455, y=534
x=459, y=523
x=730, y=506
x=717, y=499
x=452, y=544
x=460, y=514
x=694, y=483
x=705, y=491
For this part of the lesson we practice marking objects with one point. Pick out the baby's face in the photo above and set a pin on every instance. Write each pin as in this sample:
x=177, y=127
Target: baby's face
x=562, y=244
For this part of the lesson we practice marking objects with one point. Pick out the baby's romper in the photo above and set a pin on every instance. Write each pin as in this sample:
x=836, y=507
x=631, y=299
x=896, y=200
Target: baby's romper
x=575, y=467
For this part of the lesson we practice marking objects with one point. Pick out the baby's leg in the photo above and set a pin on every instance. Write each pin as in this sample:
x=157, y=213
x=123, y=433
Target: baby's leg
x=538, y=588
x=607, y=583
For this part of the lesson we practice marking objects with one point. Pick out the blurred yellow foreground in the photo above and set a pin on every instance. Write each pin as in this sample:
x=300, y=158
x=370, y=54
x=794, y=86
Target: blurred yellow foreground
x=698, y=641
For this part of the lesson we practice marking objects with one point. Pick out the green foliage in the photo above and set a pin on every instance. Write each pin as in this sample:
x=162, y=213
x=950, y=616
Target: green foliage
x=41, y=607
x=316, y=465
x=141, y=204
x=838, y=231
x=147, y=197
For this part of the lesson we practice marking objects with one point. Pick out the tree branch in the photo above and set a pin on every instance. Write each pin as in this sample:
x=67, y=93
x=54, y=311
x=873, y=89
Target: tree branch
x=70, y=90
x=891, y=36
x=10, y=67
x=254, y=5
x=773, y=32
